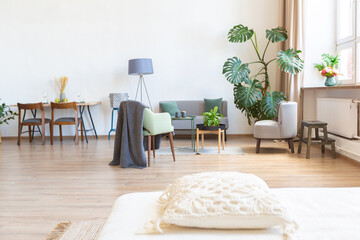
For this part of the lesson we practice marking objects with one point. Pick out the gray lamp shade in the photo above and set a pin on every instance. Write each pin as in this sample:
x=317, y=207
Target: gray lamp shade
x=140, y=66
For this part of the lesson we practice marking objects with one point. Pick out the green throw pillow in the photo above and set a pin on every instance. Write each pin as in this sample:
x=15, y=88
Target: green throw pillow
x=170, y=107
x=211, y=103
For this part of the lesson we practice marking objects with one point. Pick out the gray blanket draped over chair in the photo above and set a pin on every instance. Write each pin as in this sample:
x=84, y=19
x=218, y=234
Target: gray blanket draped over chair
x=128, y=146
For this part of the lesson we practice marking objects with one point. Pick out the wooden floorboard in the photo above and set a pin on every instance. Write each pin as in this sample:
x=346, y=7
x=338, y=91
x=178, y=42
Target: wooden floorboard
x=41, y=186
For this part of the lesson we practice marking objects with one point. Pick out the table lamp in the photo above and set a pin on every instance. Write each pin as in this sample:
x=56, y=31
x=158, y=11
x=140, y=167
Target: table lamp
x=141, y=66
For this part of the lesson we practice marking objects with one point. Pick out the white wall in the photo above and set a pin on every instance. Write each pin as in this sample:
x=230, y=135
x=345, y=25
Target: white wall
x=90, y=41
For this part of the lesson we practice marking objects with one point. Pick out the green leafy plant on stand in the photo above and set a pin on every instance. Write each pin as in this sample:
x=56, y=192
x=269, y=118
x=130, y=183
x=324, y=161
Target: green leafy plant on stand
x=252, y=93
x=6, y=114
x=212, y=118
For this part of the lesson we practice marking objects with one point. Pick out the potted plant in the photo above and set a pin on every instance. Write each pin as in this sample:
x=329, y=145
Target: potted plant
x=6, y=115
x=327, y=68
x=252, y=93
x=211, y=120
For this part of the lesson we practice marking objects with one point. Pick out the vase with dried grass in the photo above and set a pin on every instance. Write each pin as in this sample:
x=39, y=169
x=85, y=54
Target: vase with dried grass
x=61, y=83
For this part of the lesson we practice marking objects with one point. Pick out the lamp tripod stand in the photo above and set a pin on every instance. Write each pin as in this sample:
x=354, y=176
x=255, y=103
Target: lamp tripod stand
x=140, y=85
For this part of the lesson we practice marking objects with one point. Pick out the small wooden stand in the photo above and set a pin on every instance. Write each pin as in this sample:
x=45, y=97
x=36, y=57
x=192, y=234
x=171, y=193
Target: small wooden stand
x=325, y=140
x=219, y=132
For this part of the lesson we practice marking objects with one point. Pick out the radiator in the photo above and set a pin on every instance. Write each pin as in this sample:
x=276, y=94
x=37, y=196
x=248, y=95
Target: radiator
x=341, y=114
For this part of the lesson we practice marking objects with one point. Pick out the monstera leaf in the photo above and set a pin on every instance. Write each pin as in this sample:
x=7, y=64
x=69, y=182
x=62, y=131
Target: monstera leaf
x=270, y=102
x=278, y=34
x=248, y=94
x=235, y=72
x=240, y=33
x=289, y=61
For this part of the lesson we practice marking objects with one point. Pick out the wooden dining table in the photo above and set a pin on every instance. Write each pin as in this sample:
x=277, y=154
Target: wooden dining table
x=81, y=105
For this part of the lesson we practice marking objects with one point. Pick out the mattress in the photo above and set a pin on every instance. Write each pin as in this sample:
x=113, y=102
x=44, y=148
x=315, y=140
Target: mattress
x=322, y=213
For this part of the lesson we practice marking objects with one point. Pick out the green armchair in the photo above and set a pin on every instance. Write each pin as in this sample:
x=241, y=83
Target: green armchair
x=155, y=124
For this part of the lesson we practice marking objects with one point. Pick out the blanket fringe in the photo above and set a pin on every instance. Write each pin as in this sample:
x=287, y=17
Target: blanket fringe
x=58, y=231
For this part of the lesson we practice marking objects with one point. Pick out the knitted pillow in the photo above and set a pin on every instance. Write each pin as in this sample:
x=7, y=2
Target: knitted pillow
x=222, y=200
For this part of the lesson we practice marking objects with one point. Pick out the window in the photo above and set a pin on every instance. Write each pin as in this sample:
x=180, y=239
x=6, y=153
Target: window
x=348, y=40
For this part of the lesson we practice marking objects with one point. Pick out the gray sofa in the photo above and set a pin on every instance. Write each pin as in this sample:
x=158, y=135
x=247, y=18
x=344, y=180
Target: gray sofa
x=195, y=108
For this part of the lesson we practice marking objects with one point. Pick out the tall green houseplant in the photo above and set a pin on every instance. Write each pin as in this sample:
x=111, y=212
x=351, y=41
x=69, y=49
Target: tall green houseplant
x=252, y=93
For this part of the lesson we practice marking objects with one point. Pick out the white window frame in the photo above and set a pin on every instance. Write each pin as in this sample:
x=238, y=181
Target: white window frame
x=352, y=46
x=350, y=42
x=354, y=28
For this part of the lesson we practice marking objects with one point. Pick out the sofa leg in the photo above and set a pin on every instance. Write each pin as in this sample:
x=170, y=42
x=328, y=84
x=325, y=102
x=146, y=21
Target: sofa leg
x=225, y=135
x=258, y=141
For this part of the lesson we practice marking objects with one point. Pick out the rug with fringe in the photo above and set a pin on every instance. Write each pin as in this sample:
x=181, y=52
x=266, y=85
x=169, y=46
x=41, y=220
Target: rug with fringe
x=76, y=230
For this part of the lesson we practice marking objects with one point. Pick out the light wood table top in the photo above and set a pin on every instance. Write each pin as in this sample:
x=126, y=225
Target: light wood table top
x=92, y=103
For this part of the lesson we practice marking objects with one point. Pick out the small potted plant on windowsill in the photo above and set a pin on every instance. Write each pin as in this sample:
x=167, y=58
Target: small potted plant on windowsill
x=211, y=120
x=6, y=115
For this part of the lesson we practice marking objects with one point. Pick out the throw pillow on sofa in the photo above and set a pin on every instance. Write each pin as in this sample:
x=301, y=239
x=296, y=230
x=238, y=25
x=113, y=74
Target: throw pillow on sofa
x=170, y=107
x=211, y=103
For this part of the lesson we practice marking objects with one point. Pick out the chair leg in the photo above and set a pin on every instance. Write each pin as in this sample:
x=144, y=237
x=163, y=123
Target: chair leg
x=60, y=130
x=149, y=149
x=301, y=138
x=82, y=131
x=291, y=143
x=258, y=141
x=76, y=134
x=30, y=137
x=308, y=146
x=19, y=135
x=153, y=145
x=172, y=144
x=333, y=152
x=51, y=133
x=43, y=133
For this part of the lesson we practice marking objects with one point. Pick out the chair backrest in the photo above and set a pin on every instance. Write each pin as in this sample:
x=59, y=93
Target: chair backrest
x=287, y=118
x=31, y=106
x=68, y=105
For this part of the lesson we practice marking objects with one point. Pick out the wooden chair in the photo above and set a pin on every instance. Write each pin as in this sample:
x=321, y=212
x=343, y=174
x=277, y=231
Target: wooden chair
x=66, y=120
x=32, y=121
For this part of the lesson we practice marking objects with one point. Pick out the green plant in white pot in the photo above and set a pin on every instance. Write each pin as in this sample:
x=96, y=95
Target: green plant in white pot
x=252, y=93
x=6, y=115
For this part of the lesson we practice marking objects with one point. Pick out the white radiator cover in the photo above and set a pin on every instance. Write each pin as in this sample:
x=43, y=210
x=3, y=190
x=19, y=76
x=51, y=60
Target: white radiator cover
x=341, y=114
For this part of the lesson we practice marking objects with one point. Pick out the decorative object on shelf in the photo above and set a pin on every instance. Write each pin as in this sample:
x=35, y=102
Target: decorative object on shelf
x=183, y=113
x=141, y=66
x=79, y=98
x=177, y=114
x=252, y=94
x=212, y=118
x=6, y=115
x=45, y=98
x=61, y=83
x=328, y=70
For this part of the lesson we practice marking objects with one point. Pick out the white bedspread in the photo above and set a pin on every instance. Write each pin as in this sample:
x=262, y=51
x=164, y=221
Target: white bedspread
x=322, y=213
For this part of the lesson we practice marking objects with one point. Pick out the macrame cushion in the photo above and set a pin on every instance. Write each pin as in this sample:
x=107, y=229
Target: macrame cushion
x=222, y=200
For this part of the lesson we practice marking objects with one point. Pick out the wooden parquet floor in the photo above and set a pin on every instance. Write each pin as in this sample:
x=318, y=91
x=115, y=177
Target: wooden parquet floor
x=41, y=186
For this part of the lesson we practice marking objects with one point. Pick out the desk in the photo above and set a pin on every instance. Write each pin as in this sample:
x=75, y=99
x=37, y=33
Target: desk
x=81, y=110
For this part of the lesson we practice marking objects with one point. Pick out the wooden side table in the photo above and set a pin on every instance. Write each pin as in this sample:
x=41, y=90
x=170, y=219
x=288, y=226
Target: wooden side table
x=219, y=132
x=325, y=140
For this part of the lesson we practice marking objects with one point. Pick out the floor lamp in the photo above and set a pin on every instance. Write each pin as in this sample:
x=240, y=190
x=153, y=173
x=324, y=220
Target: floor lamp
x=141, y=66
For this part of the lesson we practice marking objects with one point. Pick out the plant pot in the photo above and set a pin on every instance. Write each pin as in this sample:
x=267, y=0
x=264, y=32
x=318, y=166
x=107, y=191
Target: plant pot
x=330, y=81
x=210, y=128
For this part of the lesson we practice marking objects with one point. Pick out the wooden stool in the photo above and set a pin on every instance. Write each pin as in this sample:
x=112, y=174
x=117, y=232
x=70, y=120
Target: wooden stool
x=325, y=140
x=219, y=132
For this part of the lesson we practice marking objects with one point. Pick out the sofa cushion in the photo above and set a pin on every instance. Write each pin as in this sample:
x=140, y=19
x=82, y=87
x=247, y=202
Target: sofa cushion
x=170, y=107
x=211, y=103
x=267, y=129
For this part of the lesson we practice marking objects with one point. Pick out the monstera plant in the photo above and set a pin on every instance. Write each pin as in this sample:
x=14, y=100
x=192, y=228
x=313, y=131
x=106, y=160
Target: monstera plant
x=252, y=93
